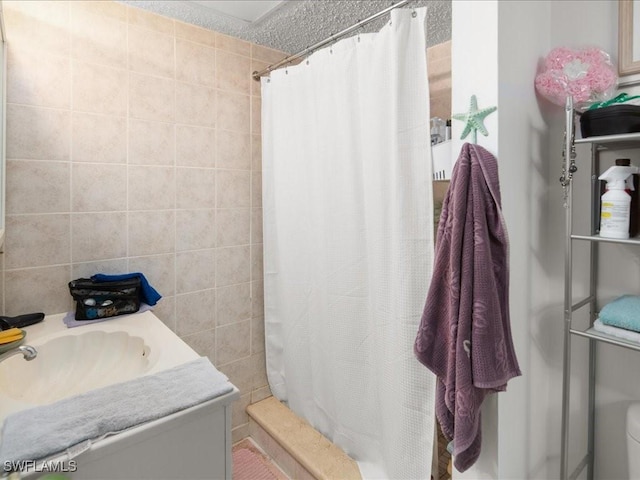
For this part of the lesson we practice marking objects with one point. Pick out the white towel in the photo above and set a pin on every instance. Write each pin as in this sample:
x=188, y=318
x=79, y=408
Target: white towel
x=39, y=432
x=616, y=332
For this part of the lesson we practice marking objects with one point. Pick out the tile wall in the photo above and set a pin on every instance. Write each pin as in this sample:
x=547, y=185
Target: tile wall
x=133, y=144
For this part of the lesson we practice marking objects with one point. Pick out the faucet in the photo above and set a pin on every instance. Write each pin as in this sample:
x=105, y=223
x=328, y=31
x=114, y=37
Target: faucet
x=27, y=351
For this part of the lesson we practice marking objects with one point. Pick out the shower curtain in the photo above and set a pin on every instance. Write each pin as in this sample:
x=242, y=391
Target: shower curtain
x=348, y=244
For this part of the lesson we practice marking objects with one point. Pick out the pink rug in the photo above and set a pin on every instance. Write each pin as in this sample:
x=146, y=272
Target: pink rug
x=251, y=464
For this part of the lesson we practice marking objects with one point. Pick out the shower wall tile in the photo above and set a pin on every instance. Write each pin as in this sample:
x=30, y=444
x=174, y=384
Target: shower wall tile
x=151, y=98
x=232, y=44
x=233, y=227
x=151, y=143
x=37, y=187
x=42, y=289
x=233, y=112
x=195, y=146
x=160, y=270
x=256, y=85
x=256, y=115
x=195, y=34
x=197, y=63
x=112, y=194
x=195, y=270
x=98, y=38
x=98, y=236
x=99, y=89
x=98, y=138
x=233, y=72
x=35, y=133
x=133, y=144
x=38, y=78
x=196, y=187
x=195, y=105
x=195, y=312
x=36, y=240
x=151, y=52
x=233, y=150
x=151, y=188
x=233, y=342
x=151, y=233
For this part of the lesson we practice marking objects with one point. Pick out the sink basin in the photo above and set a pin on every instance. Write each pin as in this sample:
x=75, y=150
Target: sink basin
x=73, y=364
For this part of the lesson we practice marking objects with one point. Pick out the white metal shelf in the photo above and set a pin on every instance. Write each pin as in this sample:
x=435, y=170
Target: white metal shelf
x=624, y=140
x=603, y=337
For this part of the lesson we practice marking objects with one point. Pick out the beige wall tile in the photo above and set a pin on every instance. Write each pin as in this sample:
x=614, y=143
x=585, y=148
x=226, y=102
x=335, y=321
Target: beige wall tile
x=256, y=225
x=98, y=236
x=195, y=270
x=233, y=303
x=159, y=270
x=195, y=105
x=41, y=289
x=165, y=310
x=233, y=227
x=239, y=433
x=204, y=343
x=195, y=63
x=233, y=189
x=151, y=233
x=151, y=98
x=256, y=189
x=256, y=153
x=110, y=267
x=240, y=373
x=260, y=394
x=98, y=138
x=115, y=10
x=38, y=78
x=151, y=143
x=151, y=53
x=256, y=262
x=37, y=133
x=98, y=187
x=259, y=370
x=256, y=85
x=256, y=115
x=195, y=146
x=233, y=342
x=231, y=44
x=195, y=229
x=98, y=38
x=195, y=34
x=196, y=187
x=257, y=299
x=36, y=240
x=37, y=187
x=233, y=72
x=267, y=55
x=143, y=18
x=99, y=89
x=41, y=25
x=232, y=265
x=233, y=112
x=151, y=188
x=238, y=414
x=195, y=312
x=257, y=335
x=234, y=150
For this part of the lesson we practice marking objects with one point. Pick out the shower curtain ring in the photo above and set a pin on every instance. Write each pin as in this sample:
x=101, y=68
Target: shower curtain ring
x=414, y=14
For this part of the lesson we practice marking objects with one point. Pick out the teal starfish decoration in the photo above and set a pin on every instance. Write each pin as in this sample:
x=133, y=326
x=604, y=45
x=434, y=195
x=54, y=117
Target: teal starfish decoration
x=474, y=119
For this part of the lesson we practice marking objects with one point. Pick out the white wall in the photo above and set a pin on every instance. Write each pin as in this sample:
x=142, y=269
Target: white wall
x=496, y=49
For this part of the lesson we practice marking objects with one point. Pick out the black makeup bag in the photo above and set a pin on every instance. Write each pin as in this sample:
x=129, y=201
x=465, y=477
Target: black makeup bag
x=96, y=300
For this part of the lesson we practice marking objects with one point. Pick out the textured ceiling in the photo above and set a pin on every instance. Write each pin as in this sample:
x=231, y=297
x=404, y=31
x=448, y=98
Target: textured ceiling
x=298, y=24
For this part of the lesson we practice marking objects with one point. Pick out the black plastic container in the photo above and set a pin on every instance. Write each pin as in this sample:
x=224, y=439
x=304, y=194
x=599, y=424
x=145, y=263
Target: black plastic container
x=611, y=120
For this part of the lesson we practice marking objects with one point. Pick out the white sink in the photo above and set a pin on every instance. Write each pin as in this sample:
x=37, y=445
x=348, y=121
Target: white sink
x=72, y=364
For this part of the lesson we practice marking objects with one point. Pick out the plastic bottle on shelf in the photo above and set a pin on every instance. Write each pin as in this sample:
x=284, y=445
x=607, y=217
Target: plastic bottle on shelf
x=616, y=202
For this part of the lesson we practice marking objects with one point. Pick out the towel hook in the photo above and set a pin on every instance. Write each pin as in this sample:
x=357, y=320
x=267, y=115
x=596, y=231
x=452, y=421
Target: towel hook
x=474, y=119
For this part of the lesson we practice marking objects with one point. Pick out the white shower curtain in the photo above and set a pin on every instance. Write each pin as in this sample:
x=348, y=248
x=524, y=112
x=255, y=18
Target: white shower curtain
x=348, y=244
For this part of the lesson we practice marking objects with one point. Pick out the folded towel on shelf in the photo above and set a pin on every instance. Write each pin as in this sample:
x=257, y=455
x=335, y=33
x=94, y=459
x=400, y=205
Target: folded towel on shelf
x=150, y=295
x=40, y=432
x=623, y=312
x=617, y=332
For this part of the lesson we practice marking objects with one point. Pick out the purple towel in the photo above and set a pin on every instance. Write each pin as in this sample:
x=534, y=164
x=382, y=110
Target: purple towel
x=465, y=335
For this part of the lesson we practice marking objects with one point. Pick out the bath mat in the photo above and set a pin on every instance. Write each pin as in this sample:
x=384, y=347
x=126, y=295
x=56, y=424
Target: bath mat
x=251, y=464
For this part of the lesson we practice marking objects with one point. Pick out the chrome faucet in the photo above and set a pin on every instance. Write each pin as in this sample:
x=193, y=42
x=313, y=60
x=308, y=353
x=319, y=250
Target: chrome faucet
x=27, y=351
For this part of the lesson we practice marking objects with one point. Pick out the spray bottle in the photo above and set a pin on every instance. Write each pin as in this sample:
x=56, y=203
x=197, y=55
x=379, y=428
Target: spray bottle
x=616, y=202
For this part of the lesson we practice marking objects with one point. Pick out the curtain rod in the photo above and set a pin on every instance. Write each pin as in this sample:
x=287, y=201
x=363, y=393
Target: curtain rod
x=256, y=75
